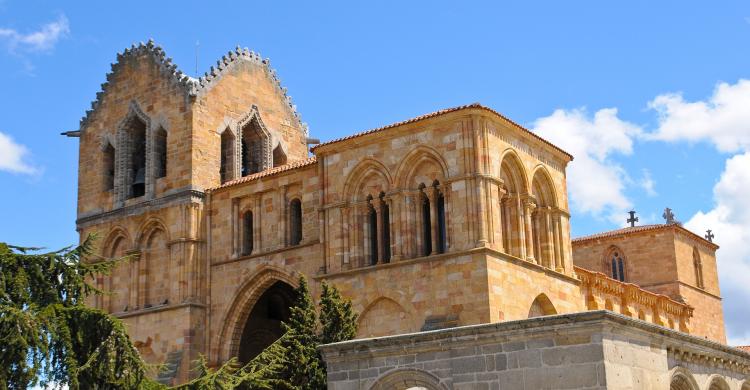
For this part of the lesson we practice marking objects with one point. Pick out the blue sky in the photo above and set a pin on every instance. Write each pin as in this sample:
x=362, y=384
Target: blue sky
x=652, y=99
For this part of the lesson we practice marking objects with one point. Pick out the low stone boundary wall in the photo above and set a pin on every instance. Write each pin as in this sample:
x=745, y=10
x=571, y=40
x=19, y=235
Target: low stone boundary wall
x=589, y=350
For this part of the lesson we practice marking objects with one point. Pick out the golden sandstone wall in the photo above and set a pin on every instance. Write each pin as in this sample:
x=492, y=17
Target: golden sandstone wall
x=453, y=218
x=664, y=259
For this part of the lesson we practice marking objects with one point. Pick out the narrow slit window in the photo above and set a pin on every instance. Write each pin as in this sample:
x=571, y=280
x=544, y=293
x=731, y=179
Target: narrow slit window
x=295, y=212
x=247, y=233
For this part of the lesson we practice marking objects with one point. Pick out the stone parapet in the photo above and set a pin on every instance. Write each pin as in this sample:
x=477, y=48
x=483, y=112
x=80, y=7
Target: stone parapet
x=589, y=350
x=603, y=292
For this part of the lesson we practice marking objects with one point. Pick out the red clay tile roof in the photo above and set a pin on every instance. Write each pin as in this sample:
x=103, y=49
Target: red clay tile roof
x=745, y=348
x=642, y=228
x=268, y=172
x=438, y=113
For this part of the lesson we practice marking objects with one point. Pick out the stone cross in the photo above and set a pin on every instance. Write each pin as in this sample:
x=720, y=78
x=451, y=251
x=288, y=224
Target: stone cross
x=668, y=216
x=633, y=219
x=709, y=235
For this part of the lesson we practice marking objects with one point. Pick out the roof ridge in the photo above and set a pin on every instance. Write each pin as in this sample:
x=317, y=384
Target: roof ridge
x=641, y=228
x=438, y=113
x=191, y=86
x=267, y=172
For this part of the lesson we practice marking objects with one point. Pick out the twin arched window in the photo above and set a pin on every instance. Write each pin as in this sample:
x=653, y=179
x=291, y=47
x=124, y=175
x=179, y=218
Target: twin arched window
x=378, y=229
x=430, y=230
x=617, y=265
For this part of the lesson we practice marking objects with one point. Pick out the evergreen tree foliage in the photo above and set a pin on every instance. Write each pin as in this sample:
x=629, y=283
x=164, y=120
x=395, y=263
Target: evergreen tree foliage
x=48, y=334
x=302, y=366
x=338, y=321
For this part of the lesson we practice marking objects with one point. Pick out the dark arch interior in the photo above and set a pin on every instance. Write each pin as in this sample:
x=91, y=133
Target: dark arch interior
x=263, y=325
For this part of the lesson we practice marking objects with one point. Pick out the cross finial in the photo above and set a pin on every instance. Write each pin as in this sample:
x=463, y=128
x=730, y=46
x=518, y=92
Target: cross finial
x=633, y=219
x=668, y=216
x=709, y=235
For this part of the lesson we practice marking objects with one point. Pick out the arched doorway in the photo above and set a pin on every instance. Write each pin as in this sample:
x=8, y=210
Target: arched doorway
x=263, y=324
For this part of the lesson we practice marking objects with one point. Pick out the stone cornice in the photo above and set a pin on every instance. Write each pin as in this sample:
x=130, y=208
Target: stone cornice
x=608, y=322
x=180, y=197
x=190, y=86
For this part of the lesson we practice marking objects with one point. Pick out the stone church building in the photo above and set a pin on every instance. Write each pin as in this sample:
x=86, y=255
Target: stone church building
x=456, y=218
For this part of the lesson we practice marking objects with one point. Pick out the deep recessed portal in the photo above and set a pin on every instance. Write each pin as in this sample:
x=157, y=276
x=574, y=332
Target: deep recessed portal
x=263, y=325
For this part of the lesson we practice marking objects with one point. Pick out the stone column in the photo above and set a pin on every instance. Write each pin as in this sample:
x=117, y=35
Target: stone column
x=550, y=247
x=481, y=218
x=366, y=233
x=501, y=214
x=257, y=227
x=379, y=218
x=418, y=224
x=396, y=204
x=283, y=216
x=519, y=214
x=410, y=218
x=557, y=241
x=137, y=293
x=345, y=231
x=390, y=200
x=432, y=196
x=236, y=228
x=446, y=190
x=528, y=208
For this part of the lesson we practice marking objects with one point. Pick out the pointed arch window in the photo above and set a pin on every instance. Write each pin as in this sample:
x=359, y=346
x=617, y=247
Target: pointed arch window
x=226, y=166
x=617, y=266
x=136, y=179
x=254, y=148
x=108, y=163
x=160, y=153
x=441, y=227
x=247, y=233
x=698, y=266
x=295, y=215
x=372, y=230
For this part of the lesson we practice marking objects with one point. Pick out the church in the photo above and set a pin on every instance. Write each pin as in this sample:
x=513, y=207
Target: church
x=453, y=221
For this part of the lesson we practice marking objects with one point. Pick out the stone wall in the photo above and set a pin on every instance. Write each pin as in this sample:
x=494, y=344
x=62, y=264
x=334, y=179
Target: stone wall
x=662, y=259
x=592, y=350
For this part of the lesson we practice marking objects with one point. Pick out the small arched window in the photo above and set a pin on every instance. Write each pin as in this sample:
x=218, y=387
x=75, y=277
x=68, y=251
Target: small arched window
x=386, y=229
x=247, y=233
x=372, y=230
x=441, y=230
x=426, y=224
x=160, y=152
x=137, y=179
x=698, y=266
x=226, y=167
x=109, y=167
x=617, y=265
x=295, y=214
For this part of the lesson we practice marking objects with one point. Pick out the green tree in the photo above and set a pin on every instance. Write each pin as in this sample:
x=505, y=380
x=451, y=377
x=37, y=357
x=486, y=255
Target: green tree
x=302, y=366
x=338, y=321
x=48, y=334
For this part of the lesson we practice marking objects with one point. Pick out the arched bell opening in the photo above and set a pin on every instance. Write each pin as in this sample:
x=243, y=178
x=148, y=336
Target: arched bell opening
x=263, y=324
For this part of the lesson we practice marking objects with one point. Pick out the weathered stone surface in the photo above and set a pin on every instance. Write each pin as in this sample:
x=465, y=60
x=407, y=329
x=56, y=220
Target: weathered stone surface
x=621, y=353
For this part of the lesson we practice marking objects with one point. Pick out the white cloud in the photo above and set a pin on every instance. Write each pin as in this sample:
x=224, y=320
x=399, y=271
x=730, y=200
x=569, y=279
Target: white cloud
x=647, y=183
x=724, y=119
x=730, y=222
x=12, y=156
x=36, y=41
x=596, y=183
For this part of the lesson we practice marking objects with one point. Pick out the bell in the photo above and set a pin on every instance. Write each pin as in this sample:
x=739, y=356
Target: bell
x=140, y=176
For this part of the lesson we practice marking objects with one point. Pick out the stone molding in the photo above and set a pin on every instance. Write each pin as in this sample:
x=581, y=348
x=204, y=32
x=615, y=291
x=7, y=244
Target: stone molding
x=176, y=198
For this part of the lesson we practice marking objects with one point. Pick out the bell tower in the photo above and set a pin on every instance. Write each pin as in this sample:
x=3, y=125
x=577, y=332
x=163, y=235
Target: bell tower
x=153, y=142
